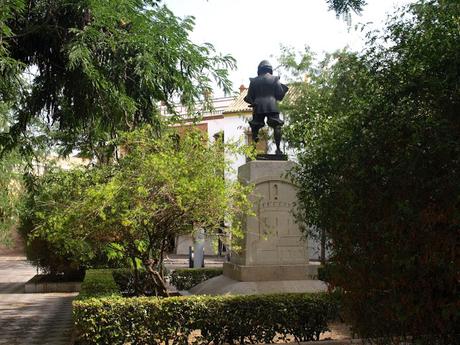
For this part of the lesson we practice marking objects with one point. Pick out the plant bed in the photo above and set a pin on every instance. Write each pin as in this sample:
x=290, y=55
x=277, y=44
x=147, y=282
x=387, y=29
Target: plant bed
x=53, y=283
x=126, y=282
x=103, y=316
x=186, y=278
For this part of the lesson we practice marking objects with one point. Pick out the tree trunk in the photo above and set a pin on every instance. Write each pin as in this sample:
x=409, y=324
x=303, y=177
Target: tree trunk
x=160, y=263
x=323, y=247
x=155, y=277
x=137, y=286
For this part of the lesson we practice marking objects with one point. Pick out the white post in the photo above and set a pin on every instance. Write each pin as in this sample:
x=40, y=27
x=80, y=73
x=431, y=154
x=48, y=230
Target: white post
x=198, y=257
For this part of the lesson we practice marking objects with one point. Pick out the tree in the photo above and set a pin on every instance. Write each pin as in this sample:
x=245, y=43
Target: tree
x=95, y=67
x=346, y=6
x=379, y=141
x=10, y=194
x=160, y=189
x=46, y=212
x=74, y=72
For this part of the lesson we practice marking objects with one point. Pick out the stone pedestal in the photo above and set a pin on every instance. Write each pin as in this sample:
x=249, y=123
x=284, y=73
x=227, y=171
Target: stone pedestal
x=274, y=252
x=273, y=247
x=270, y=272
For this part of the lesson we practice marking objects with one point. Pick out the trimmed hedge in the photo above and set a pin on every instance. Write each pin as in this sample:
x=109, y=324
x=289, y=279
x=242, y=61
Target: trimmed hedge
x=124, y=278
x=186, y=278
x=98, y=283
x=222, y=319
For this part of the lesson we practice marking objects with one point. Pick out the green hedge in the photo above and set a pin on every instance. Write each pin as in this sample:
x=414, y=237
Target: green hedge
x=124, y=278
x=98, y=283
x=222, y=319
x=186, y=278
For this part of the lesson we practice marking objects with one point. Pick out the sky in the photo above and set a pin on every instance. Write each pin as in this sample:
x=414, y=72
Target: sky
x=253, y=30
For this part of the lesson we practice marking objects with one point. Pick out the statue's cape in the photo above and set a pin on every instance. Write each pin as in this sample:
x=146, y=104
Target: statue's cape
x=285, y=88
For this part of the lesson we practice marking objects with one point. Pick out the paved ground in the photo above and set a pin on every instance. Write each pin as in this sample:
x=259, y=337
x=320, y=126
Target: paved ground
x=173, y=261
x=43, y=318
x=46, y=318
x=29, y=319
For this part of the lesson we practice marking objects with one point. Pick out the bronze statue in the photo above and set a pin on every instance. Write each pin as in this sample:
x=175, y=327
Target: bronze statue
x=263, y=93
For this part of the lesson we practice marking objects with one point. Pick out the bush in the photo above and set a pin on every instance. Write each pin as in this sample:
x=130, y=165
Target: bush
x=98, y=283
x=128, y=286
x=378, y=135
x=186, y=278
x=222, y=319
x=43, y=255
x=46, y=206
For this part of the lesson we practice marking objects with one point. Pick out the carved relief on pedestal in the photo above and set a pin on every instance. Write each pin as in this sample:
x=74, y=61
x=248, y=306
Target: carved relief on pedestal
x=273, y=235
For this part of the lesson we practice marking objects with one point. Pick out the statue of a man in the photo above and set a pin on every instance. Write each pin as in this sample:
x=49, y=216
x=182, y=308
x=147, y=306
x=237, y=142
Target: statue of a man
x=263, y=93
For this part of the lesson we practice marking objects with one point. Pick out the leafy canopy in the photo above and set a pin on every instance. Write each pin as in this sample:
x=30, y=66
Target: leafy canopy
x=161, y=188
x=90, y=67
x=379, y=142
x=342, y=7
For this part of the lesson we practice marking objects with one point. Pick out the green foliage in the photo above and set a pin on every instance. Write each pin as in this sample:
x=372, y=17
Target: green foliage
x=11, y=190
x=182, y=279
x=379, y=141
x=98, y=283
x=186, y=278
x=161, y=188
x=10, y=68
x=46, y=216
x=223, y=319
x=132, y=282
x=94, y=67
x=346, y=6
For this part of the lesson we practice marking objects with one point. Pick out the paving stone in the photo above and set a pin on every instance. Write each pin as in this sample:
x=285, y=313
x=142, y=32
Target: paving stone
x=35, y=318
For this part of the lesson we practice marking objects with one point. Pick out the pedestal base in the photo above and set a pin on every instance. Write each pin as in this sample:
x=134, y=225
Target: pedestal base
x=271, y=157
x=270, y=272
x=222, y=285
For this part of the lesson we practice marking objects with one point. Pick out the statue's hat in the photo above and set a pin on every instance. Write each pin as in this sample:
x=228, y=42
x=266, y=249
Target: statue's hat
x=264, y=67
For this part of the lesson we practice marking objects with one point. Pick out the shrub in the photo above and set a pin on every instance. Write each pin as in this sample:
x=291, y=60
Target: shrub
x=129, y=285
x=46, y=205
x=186, y=278
x=222, y=319
x=378, y=139
x=130, y=210
x=44, y=255
x=98, y=283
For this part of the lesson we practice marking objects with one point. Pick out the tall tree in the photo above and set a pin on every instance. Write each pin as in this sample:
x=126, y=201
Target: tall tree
x=342, y=7
x=93, y=67
x=10, y=194
x=160, y=189
x=379, y=140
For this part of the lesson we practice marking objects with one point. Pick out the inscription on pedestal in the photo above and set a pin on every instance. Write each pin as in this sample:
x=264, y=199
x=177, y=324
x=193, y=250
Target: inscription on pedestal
x=278, y=240
x=272, y=237
x=273, y=248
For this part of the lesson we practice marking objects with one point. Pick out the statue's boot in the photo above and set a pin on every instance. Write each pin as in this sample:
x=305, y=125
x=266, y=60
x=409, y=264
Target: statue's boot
x=277, y=135
x=255, y=133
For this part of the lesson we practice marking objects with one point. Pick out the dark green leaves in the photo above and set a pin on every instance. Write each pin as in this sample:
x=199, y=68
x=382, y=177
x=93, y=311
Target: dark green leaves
x=220, y=319
x=346, y=6
x=100, y=66
x=379, y=139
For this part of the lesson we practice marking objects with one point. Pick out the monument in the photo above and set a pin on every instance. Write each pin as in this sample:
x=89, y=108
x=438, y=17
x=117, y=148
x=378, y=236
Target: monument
x=263, y=93
x=273, y=257
x=273, y=247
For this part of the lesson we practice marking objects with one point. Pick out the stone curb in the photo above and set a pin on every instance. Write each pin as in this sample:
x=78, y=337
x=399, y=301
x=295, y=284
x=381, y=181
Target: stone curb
x=52, y=287
x=326, y=342
x=12, y=258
